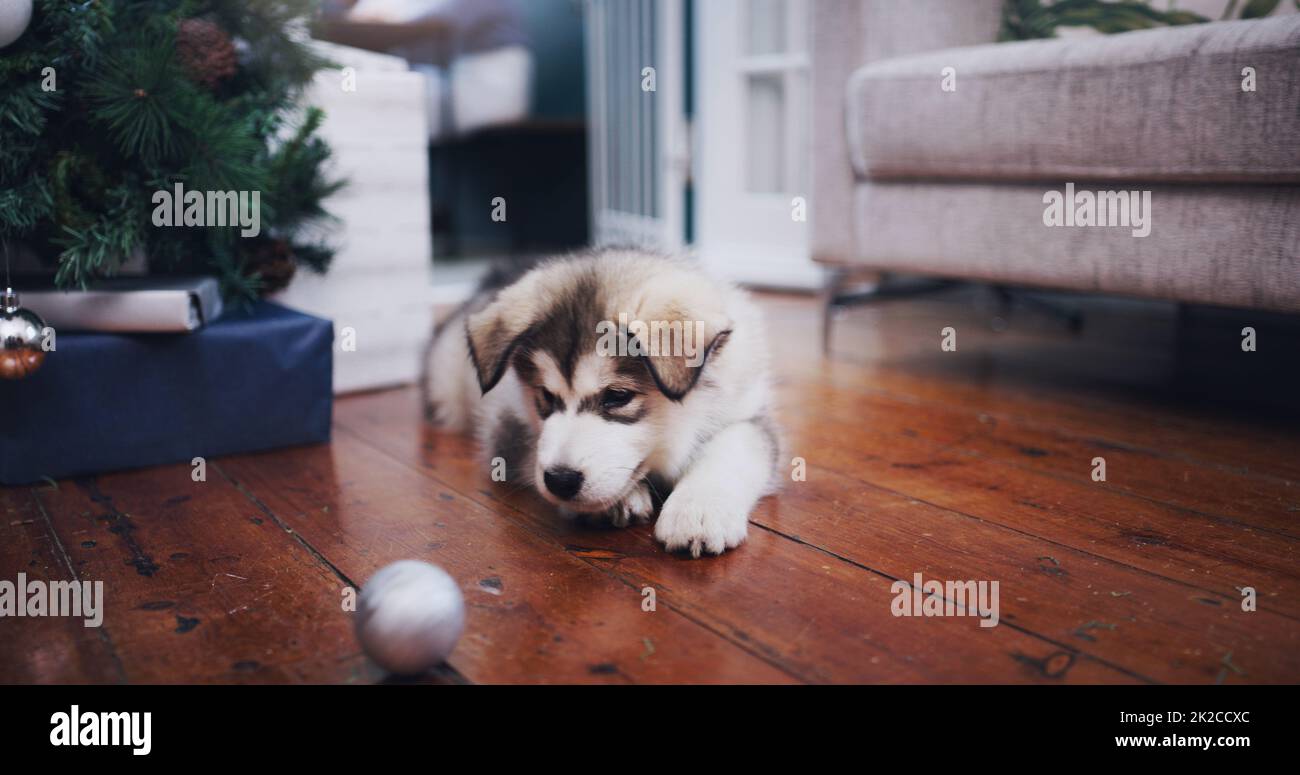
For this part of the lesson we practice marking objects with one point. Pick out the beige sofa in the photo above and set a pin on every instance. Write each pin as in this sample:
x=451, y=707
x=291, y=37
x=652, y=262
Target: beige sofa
x=911, y=177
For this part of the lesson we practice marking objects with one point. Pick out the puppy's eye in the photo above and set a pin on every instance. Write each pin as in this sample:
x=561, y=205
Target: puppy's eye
x=613, y=398
x=547, y=399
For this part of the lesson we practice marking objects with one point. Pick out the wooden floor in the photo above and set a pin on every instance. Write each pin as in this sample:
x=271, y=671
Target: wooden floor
x=974, y=464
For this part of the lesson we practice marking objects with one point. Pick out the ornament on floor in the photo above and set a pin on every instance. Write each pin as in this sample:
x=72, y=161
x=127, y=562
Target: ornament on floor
x=21, y=332
x=15, y=15
x=409, y=616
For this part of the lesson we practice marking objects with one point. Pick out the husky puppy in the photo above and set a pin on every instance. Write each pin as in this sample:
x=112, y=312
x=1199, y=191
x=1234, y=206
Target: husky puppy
x=615, y=383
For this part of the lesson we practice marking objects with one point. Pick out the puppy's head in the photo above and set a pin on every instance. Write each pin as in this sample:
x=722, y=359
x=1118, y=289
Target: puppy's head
x=607, y=347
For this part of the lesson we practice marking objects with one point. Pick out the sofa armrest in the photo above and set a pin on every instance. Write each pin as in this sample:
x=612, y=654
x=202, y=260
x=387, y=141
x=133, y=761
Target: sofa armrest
x=847, y=34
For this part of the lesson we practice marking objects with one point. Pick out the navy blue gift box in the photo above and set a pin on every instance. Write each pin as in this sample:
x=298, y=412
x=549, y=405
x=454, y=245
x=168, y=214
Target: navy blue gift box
x=254, y=379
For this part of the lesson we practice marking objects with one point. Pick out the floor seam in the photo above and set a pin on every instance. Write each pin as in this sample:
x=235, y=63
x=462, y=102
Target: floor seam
x=72, y=571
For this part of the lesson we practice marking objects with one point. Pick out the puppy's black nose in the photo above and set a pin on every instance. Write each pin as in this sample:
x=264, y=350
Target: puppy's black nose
x=563, y=482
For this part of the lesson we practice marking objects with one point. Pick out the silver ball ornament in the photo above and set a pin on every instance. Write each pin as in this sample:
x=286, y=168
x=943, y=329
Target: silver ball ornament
x=409, y=617
x=15, y=15
x=21, y=332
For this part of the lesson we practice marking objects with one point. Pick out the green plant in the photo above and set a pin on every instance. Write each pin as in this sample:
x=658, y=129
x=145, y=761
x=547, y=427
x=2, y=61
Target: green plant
x=1029, y=19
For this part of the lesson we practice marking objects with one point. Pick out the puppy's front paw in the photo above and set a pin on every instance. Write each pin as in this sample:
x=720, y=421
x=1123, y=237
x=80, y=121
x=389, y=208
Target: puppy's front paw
x=700, y=524
x=637, y=507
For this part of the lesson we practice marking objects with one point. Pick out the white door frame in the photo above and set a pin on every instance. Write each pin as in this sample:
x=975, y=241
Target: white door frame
x=749, y=237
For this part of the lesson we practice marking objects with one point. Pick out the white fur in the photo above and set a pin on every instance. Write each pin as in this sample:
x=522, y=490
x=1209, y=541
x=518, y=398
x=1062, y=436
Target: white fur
x=709, y=508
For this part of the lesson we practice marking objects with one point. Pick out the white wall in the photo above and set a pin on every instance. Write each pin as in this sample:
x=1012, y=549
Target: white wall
x=380, y=283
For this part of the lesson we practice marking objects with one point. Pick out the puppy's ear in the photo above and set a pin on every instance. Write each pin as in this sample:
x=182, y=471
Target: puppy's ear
x=494, y=331
x=492, y=334
x=676, y=356
x=675, y=375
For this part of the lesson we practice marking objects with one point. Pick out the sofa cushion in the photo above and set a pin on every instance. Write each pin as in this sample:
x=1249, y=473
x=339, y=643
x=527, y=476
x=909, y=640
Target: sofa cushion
x=1164, y=105
x=1233, y=245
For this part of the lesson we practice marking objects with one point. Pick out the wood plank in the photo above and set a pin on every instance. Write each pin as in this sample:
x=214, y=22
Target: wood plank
x=1147, y=624
x=1210, y=555
x=536, y=613
x=822, y=617
x=1045, y=376
x=1250, y=448
x=199, y=587
x=45, y=649
x=1263, y=502
x=903, y=425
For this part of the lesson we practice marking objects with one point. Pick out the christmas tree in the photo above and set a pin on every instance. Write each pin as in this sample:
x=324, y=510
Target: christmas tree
x=104, y=103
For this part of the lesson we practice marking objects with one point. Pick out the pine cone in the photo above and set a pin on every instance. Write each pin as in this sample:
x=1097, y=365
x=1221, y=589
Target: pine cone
x=205, y=51
x=272, y=261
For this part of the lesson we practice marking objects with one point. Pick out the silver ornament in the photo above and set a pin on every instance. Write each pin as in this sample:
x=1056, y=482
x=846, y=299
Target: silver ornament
x=15, y=15
x=21, y=331
x=409, y=616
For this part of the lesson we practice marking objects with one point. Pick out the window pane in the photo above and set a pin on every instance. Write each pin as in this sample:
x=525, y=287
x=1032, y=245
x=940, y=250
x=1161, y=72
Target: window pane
x=765, y=27
x=765, y=96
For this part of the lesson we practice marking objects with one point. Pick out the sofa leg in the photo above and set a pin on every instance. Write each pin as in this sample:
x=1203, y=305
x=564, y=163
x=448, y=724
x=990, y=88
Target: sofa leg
x=1072, y=318
x=873, y=286
x=830, y=295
